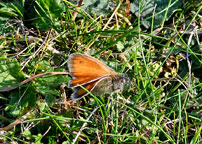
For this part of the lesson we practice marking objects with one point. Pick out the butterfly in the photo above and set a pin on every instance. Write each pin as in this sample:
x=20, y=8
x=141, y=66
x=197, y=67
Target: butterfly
x=94, y=76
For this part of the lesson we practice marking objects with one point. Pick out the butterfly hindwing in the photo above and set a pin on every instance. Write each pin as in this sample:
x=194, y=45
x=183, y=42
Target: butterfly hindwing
x=97, y=87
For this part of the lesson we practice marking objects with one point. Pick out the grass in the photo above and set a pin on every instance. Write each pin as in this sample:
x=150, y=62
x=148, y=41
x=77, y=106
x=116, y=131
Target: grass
x=158, y=48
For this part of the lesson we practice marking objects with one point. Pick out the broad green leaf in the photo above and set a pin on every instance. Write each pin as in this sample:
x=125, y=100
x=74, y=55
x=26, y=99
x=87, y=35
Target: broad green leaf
x=97, y=7
x=148, y=7
x=48, y=85
x=10, y=73
x=20, y=101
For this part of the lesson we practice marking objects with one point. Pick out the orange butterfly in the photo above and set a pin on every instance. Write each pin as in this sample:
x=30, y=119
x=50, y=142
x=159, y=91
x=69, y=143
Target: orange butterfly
x=93, y=75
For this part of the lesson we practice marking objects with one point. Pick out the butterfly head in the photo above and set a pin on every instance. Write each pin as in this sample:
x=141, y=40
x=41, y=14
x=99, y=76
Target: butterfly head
x=125, y=79
x=121, y=82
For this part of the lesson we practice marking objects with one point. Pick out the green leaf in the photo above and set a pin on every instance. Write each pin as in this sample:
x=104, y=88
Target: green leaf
x=10, y=73
x=120, y=46
x=98, y=7
x=18, y=102
x=48, y=85
x=26, y=133
x=45, y=12
x=38, y=138
x=148, y=7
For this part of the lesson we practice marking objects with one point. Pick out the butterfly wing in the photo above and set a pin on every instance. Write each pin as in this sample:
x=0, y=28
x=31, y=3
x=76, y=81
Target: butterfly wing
x=97, y=87
x=80, y=92
x=85, y=69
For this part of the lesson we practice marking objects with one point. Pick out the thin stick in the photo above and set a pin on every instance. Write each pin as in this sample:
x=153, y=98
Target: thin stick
x=18, y=121
x=31, y=78
x=83, y=126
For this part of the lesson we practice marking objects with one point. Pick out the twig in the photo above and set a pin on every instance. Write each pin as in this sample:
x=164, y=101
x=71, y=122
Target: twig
x=18, y=121
x=31, y=78
x=83, y=126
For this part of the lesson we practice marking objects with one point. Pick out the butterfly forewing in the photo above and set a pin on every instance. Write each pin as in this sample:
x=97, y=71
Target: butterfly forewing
x=85, y=68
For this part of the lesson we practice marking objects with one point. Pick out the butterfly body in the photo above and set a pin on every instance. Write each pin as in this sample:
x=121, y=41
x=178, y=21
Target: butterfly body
x=93, y=75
